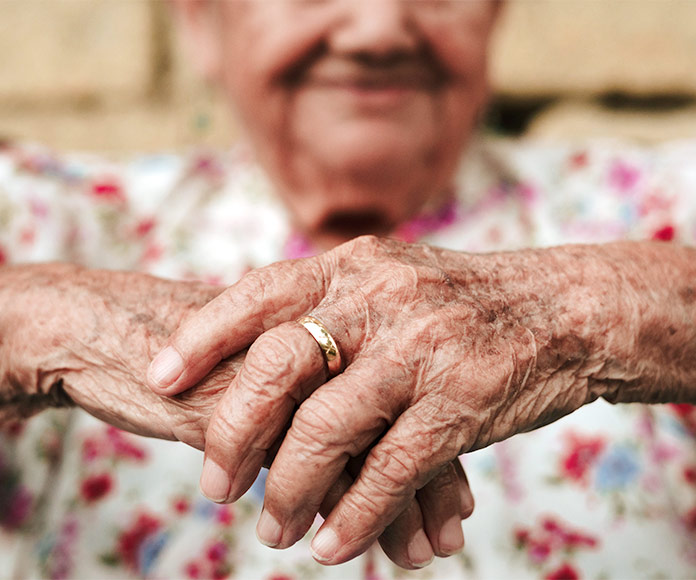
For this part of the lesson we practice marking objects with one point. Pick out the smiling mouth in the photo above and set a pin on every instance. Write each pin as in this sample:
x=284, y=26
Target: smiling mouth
x=411, y=78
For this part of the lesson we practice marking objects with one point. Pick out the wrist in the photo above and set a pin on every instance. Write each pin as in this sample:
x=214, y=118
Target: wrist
x=655, y=358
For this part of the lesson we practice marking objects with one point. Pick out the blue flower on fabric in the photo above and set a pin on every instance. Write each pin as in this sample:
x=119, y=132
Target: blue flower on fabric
x=205, y=509
x=150, y=551
x=617, y=468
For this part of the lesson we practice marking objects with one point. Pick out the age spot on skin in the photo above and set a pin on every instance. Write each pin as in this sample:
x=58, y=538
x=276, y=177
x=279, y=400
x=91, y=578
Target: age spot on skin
x=687, y=294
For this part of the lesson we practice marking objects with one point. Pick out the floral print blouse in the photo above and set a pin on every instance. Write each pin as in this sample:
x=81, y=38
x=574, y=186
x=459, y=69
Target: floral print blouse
x=608, y=492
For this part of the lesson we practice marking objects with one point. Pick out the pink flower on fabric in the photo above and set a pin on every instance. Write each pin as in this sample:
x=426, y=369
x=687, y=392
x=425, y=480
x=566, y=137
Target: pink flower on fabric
x=108, y=189
x=428, y=222
x=112, y=443
x=216, y=552
x=527, y=192
x=125, y=446
x=60, y=564
x=144, y=227
x=15, y=506
x=38, y=208
x=298, y=246
x=578, y=160
x=580, y=456
x=153, y=252
x=565, y=572
x=95, y=487
x=689, y=519
x=181, y=505
x=212, y=563
x=538, y=551
x=690, y=474
x=133, y=538
x=27, y=236
x=13, y=428
x=91, y=449
x=623, y=176
x=208, y=166
x=664, y=234
x=225, y=515
x=656, y=202
x=193, y=571
x=549, y=537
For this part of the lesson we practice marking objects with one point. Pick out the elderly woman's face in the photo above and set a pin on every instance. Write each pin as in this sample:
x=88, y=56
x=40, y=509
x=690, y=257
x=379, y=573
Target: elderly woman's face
x=358, y=108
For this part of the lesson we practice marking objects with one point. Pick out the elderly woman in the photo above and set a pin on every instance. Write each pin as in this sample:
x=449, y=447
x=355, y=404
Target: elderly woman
x=370, y=367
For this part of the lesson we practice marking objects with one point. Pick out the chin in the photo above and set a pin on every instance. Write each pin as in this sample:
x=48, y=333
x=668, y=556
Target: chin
x=376, y=149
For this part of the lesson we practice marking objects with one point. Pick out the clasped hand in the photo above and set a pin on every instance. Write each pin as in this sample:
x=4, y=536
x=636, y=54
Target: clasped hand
x=444, y=353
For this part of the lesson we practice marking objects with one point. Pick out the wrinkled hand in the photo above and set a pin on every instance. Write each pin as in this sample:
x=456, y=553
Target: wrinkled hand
x=85, y=337
x=444, y=353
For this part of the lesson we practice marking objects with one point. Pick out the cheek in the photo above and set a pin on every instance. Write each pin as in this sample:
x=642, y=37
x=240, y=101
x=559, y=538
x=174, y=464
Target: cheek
x=259, y=47
x=461, y=41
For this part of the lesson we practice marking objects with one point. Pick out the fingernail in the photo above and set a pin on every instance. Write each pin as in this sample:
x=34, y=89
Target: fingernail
x=166, y=367
x=215, y=483
x=451, y=536
x=325, y=545
x=268, y=530
x=420, y=552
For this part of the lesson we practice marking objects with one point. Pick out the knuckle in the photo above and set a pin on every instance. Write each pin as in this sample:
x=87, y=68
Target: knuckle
x=365, y=504
x=318, y=425
x=445, y=483
x=250, y=286
x=363, y=244
x=218, y=433
x=269, y=357
x=393, y=471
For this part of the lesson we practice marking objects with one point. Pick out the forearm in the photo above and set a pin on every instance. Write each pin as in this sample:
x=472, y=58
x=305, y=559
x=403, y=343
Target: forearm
x=27, y=326
x=655, y=351
x=617, y=320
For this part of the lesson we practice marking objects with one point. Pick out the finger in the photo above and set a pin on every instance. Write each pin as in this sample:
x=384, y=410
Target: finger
x=404, y=541
x=281, y=368
x=406, y=458
x=440, y=502
x=323, y=436
x=262, y=299
x=466, y=497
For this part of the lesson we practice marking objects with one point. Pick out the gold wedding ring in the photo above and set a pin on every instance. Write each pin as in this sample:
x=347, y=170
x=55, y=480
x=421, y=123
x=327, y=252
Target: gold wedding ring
x=326, y=343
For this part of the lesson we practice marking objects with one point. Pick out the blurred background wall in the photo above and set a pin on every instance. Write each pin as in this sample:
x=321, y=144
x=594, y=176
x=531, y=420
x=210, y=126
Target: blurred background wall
x=108, y=75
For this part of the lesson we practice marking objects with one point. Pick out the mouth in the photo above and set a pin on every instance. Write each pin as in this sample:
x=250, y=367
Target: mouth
x=374, y=79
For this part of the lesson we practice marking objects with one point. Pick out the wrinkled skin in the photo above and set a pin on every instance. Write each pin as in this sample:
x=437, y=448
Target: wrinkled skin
x=89, y=334
x=444, y=352
x=72, y=336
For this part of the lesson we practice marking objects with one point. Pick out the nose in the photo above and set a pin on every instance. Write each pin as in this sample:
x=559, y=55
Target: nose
x=374, y=28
